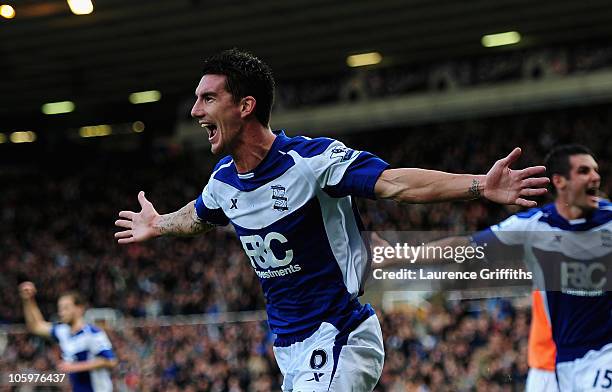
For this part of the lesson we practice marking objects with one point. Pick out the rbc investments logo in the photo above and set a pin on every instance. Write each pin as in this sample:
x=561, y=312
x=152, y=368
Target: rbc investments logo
x=262, y=257
x=583, y=279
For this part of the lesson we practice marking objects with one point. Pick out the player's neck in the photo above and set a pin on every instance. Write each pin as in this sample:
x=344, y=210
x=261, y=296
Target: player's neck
x=252, y=148
x=77, y=325
x=568, y=211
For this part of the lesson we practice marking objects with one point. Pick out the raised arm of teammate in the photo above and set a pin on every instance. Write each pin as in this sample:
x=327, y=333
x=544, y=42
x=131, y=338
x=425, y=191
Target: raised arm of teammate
x=148, y=223
x=501, y=184
x=85, y=366
x=35, y=322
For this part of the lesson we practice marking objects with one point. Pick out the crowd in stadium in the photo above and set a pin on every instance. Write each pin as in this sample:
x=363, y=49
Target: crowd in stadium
x=534, y=64
x=442, y=347
x=56, y=228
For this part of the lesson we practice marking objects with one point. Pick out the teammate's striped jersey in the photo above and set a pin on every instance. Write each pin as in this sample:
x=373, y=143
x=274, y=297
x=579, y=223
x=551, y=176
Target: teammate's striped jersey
x=541, y=350
x=571, y=262
x=88, y=343
x=300, y=229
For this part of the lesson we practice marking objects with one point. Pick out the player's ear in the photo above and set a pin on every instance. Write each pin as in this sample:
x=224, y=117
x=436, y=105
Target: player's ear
x=247, y=106
x=559, y=181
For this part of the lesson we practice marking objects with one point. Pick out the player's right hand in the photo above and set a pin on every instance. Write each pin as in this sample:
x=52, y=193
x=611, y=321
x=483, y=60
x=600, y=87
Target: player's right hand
x=27, y=290
x=140, y=225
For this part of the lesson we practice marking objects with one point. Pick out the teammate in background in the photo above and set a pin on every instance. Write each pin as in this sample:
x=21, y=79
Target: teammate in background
x=86, y=350
x=567, y=245
x=571, y=327
x=290, y=200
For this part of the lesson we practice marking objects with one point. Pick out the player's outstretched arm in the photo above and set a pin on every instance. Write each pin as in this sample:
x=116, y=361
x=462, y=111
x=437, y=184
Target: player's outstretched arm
x=501, y=184
x=85, y=366
x=35, y=322
x=147, y=223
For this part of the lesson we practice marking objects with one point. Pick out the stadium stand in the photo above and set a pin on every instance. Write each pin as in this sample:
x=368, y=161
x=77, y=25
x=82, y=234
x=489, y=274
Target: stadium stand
x=57, y=221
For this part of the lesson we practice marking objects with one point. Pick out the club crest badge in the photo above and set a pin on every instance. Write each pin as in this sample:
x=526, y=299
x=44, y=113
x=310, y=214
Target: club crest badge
x=280, y=198
x=343, y=153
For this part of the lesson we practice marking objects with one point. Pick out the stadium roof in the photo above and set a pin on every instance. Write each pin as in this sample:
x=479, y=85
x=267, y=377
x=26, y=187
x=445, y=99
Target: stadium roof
x=47, y=54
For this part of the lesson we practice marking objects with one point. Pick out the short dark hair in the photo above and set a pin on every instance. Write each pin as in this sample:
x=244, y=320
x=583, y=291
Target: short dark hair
x=245, y=75
x=77, y=298
x=558, y=159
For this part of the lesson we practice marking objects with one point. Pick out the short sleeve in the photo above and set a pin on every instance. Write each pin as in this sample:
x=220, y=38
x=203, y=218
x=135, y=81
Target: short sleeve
x=506, y=238
x=100, y=345
x=207, y=209
x=342, y=171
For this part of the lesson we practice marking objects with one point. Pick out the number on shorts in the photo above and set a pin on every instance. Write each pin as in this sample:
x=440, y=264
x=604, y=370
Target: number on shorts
x=318, y=359
x=607, y=376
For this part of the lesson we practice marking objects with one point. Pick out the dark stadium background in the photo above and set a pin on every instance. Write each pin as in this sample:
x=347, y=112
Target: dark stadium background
x=185, y=314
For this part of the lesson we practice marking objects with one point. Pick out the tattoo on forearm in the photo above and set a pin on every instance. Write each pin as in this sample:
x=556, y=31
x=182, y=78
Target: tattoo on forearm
x=474, y=190
x=181, y=223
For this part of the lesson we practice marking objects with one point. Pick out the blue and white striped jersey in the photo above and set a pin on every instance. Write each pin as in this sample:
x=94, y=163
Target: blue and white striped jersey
x=85, y=345
x=300, y=228
x=571, y=262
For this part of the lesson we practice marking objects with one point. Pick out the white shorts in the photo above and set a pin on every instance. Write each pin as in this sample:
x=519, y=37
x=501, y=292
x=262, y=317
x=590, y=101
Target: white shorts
x=593, y=372
x=540, y=380
x=323, y=363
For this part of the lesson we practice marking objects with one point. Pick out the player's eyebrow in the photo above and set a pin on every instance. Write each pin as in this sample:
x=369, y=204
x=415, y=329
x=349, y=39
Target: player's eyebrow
x=206, y=94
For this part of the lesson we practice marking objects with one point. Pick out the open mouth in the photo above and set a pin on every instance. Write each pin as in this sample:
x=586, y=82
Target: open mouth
x=592, y=191
x=211, y=128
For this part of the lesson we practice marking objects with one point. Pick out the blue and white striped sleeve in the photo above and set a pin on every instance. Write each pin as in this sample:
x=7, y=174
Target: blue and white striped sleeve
x=342, y=171
x=207, y=209
x=100, y=345
x=506, y=238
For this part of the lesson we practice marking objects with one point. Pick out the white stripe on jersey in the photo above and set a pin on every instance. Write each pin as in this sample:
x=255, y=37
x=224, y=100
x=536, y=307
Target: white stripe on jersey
x=345, y=240
x=254, y=210
x=531, y=232
x=84, y=346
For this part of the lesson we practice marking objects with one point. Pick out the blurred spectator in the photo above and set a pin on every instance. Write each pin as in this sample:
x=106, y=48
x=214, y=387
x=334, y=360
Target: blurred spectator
x=364, y=83
x=453, y=347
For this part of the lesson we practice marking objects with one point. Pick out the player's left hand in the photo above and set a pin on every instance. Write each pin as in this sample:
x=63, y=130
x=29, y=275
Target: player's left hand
x=506, y=186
